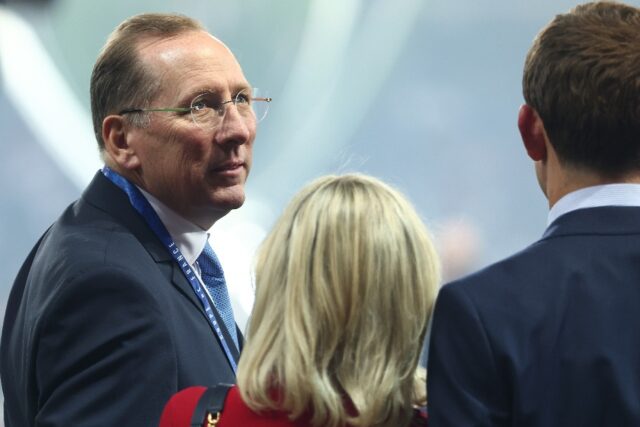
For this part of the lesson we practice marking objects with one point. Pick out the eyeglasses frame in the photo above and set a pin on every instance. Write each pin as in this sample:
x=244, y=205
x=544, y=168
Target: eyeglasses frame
x=221, y=110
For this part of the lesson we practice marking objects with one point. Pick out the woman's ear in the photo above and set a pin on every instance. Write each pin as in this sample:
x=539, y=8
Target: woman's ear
x=116, y=142
x=533, y=133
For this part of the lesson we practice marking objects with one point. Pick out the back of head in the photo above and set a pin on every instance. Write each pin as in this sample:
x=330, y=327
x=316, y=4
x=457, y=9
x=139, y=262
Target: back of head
x=119, y=79
x=345, y=283
x=582, y=76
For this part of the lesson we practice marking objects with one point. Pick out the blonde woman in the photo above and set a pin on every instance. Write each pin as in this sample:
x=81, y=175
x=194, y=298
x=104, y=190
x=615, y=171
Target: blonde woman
x=345, y=283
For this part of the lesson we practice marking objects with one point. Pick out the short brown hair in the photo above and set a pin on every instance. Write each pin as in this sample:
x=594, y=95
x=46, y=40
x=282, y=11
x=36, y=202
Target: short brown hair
x=582, y=76
x=119, y=79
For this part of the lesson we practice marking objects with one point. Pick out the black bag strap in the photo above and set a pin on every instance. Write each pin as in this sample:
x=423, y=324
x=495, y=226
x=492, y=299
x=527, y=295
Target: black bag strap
x=210, y=404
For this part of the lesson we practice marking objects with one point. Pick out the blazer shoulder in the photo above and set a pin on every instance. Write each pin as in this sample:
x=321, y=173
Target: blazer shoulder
x=103, y=257
x=68, y=248
x=512, y=266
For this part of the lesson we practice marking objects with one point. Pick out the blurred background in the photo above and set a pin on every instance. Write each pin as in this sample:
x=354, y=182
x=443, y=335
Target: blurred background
x=423, y=94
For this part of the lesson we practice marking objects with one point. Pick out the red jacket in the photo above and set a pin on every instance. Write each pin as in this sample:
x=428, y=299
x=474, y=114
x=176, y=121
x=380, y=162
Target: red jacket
x=179, y=410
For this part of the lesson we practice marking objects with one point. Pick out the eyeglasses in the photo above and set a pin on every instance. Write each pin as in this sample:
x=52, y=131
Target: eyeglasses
x=207, y=110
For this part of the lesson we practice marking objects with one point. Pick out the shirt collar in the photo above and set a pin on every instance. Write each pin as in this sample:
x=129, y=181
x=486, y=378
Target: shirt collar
x=189, y=238
x=596, y=196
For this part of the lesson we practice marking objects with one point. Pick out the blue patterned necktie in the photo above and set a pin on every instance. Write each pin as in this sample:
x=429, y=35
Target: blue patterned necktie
x=213, y=278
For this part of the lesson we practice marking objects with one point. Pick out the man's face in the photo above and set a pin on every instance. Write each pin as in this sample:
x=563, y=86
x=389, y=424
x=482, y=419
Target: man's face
x=198, y=173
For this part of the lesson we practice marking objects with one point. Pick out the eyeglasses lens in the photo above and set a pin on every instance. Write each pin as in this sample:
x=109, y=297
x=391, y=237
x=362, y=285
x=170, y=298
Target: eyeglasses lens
x=208, y=111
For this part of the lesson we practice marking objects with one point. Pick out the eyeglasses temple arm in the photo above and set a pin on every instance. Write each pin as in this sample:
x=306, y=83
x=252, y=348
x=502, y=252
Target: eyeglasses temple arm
x=152, y=110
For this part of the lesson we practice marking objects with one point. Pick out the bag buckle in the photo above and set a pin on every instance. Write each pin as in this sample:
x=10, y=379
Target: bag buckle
x=211, y=421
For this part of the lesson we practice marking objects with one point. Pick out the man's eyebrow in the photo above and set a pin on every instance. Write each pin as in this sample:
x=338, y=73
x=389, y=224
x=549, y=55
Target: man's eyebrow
x=208, y=89
x=187, y=97
x=244, y=86
x=217, y=90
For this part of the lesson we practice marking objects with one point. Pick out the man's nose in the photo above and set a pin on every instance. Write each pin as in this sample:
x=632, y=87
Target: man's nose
x=235, y=128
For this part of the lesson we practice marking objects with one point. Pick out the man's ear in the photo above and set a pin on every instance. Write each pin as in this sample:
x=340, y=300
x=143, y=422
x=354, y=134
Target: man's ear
x=116, y=142
x=532, y=132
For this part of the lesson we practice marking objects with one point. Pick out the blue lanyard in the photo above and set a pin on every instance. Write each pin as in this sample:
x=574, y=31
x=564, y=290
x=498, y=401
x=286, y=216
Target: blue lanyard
x=140, y=204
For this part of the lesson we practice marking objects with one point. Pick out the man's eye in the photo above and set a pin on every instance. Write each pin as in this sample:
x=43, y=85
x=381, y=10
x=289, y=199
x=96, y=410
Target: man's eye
x=199, y=105
x=203, y=102
x=243, y=98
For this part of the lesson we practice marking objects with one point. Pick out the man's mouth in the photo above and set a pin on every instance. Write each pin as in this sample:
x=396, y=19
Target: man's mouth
x=229, y=166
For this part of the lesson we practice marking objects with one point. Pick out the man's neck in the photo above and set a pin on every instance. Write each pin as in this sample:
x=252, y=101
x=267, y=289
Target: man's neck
x=203, y=218
x=565, y=180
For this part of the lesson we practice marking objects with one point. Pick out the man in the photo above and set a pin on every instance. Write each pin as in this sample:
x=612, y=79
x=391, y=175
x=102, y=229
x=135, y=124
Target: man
x=108, y=316
x=549, y=336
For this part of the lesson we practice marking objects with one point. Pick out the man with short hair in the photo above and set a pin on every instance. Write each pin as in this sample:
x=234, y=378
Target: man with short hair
x=549, y=336
x=123, y=302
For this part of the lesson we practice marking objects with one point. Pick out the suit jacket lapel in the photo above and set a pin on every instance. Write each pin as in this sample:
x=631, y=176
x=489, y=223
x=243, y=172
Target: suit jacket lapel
x=104, y=195
x=181, y=282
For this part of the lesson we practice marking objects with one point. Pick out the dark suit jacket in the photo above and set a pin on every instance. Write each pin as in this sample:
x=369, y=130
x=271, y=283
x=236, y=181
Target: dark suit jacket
x=547, y=337
x=102, y=327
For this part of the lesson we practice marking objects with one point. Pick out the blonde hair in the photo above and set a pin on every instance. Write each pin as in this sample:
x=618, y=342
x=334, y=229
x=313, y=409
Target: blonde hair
x=345, y=283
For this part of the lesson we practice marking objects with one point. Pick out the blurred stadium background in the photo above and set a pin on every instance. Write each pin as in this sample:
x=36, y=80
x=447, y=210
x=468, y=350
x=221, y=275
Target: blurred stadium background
x=423, y=94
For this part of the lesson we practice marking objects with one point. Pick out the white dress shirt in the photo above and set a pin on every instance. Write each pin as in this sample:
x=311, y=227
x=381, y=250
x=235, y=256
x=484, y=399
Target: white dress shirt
x=235, y=259
x=189, y=237
x=596, y=196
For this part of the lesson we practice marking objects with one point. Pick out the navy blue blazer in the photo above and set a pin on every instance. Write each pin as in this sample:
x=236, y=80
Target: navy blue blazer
x=548, y=337
x=101, y=326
